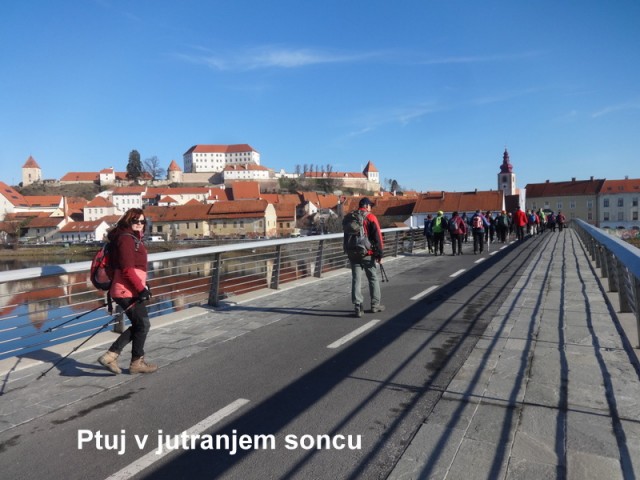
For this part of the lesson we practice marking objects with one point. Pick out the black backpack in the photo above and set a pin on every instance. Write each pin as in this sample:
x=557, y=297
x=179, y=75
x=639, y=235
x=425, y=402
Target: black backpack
x=356, y=242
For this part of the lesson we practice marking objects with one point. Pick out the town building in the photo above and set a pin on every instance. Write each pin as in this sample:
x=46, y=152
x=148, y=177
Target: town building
x=214, y=158
x=88, y=231
x=98, y=208
x=124, y=198
x=43, y=229
x=575, y=198
x=368, y=179
x=245, y=172
x=618, y=204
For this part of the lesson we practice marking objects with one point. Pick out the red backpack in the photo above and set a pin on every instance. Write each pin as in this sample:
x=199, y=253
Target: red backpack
x=101, y=270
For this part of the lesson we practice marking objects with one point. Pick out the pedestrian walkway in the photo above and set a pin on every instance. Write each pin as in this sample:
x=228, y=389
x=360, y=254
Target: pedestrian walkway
x=550, y=391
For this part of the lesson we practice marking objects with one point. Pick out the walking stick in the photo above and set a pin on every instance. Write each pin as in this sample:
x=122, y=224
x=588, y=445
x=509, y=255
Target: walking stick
x=51, y=329
x=383, y=273
x=85, y=341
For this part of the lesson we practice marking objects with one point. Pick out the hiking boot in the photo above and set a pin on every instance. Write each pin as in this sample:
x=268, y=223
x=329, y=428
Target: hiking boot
x=138, y=365
x=358, y=310
x=378, y=308
x=110, y=361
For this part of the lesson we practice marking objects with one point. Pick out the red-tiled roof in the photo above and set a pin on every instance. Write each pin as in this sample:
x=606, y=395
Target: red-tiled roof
x=340, y=175
x=99, y=202
x=178, y=213
x=370, y=167
x=45, y=222
x=81, y=227
x=628, y=185
x=49, y=201
x=174, y=167
x=245, y=190
x=81, y=177
x=12, y=195
x=128, y=190
x=242, y=147
x=431, y=202
x=31, y=163
x=285, y=211
x=560, y=189
x=384, y=206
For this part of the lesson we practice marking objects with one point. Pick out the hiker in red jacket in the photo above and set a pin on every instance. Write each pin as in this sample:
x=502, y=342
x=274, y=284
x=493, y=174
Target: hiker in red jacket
x=520, y=222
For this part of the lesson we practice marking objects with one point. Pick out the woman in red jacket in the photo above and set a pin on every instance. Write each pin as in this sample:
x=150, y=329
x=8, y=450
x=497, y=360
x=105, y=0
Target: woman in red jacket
x=130, y=291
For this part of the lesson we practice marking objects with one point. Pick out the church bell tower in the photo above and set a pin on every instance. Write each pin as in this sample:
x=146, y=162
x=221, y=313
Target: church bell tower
x=506, y=177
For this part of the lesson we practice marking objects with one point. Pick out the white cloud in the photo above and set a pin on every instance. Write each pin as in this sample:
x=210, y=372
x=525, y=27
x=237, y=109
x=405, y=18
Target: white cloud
x=632, y=105
x=401, y=116
x=479, y=58
x=272, y=57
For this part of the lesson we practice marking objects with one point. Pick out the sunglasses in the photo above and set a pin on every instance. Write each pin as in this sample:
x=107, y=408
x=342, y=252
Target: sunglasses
x=138, y=222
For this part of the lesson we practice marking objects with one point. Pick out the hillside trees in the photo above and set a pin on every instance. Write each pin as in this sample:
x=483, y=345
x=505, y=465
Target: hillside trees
x=134, y=167
x=153, y=168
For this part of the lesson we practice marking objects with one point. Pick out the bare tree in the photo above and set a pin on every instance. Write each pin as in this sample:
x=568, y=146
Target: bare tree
x=153, y=168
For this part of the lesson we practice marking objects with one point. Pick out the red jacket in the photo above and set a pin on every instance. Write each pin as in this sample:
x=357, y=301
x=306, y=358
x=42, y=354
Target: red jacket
x=130, y=263
x=520, y=218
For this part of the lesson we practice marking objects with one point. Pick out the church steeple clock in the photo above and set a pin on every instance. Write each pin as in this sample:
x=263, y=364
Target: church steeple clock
x=506, y=177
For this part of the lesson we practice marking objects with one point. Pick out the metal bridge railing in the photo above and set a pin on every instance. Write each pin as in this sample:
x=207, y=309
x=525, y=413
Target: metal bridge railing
x=43, y=306
x=619, y=262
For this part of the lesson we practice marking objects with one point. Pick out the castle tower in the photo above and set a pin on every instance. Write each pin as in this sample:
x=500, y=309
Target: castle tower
x=174, y=173
x=506, y=177
x=373, y=175
x=31, y=172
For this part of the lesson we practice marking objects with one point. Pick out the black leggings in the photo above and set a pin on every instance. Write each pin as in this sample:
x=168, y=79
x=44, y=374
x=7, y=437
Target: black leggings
x=137, y=332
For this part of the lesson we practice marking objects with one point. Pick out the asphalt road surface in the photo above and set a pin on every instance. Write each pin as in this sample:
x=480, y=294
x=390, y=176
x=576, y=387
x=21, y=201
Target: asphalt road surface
x=319, y=394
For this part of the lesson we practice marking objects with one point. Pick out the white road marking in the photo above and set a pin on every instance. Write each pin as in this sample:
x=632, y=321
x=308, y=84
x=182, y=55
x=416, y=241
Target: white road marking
x=493, y=253
x=150, y=458
x=424, y=292
x=455, y=274
x=353, y=334
x=480, y=260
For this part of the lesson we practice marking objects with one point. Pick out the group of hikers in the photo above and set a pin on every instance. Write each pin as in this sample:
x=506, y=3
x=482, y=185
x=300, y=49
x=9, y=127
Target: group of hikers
x=364, y=245
x=486, y=228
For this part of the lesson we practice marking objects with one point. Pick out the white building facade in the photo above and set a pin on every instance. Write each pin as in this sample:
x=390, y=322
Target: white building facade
x=214, y=158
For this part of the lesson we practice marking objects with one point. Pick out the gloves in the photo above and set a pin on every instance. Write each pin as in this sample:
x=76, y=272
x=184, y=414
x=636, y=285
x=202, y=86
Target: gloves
x=144, y=295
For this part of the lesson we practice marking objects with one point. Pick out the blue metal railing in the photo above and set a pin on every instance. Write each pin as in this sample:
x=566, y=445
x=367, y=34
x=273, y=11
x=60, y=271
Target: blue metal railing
x=35, y=301
x=619, y=262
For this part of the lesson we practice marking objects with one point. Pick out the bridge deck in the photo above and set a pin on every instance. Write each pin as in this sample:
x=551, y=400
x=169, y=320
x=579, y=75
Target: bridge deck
x=550, y=389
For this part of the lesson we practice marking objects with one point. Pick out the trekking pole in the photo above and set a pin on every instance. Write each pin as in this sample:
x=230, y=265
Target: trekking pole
x=51, y=329
x=111, y=320
x=383, y=273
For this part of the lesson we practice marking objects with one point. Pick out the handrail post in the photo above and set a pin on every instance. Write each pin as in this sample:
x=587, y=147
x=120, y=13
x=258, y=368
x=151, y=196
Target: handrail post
x=214, y=291
x=635, y=283
x=319, y=259
x=612, y=268
x=275, y=276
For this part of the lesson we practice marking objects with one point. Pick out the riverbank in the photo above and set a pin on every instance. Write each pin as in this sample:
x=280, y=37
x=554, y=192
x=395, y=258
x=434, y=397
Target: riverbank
x=68, y=253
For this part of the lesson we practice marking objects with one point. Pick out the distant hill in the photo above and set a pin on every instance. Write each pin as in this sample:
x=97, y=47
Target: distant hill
x=88, y=191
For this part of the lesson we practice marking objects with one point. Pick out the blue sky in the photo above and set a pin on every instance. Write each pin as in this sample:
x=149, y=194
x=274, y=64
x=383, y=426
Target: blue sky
x=430, y=91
